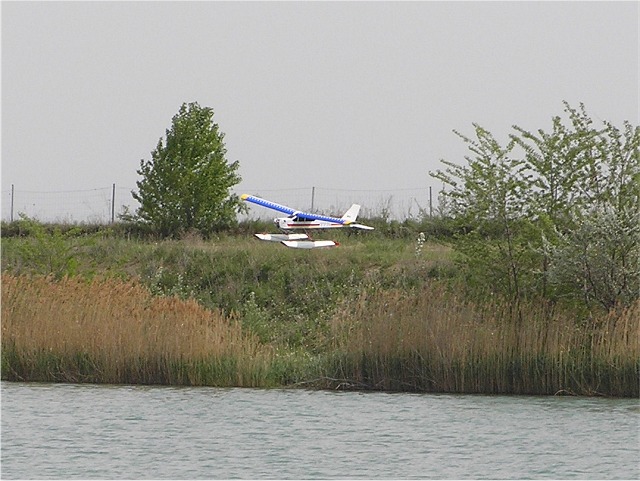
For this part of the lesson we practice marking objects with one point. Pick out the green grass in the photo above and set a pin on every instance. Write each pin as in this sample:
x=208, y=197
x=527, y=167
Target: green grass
x=285, y=294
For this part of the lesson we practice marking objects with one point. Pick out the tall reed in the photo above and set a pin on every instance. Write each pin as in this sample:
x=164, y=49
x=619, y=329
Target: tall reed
x=426, y=339
x=112, y=331
x=436, y=341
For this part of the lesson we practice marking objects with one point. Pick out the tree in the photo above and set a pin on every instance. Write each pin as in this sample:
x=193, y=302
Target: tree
x=599, y=261
x=597, y=257
x=551, y=213
x=486, y=200
x=186, y=184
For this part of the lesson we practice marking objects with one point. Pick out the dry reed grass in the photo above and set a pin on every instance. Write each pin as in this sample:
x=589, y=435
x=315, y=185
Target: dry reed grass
x=427, y=340
x=112, y=331
x=435, y=341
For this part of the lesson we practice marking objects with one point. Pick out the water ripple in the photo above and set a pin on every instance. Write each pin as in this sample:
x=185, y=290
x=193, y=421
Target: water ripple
x=60, y=431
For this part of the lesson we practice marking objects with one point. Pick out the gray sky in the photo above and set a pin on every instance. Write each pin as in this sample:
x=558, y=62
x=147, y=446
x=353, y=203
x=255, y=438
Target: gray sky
x=336, y=95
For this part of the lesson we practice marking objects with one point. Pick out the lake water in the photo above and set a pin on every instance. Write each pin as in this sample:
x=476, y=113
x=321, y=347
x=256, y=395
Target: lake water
x=94, y=431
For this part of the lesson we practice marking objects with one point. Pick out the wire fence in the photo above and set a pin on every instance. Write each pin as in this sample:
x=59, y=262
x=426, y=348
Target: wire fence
x=108, y=204
x=94, y=206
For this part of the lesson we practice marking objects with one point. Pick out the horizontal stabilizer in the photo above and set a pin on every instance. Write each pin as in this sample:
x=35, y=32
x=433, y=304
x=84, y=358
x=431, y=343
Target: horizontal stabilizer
x=361, y=226
x=308, y=244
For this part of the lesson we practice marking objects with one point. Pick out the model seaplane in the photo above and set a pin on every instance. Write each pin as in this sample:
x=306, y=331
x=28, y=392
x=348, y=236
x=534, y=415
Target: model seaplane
x=297, y=220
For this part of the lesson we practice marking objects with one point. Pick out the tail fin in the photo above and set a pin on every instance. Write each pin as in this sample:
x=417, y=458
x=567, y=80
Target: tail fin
x=352, y=214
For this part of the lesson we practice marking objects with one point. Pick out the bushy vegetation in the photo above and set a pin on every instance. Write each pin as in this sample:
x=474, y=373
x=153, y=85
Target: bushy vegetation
x=551, y=214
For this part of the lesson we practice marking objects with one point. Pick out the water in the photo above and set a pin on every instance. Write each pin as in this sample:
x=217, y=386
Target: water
x=89, y=431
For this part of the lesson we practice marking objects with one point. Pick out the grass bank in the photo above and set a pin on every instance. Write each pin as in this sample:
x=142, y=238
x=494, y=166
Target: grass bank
x=380, y=312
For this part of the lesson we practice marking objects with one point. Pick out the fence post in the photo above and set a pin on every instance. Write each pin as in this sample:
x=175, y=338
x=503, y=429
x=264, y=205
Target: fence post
x=11, y=202
x=113, y=203
x=313, y=197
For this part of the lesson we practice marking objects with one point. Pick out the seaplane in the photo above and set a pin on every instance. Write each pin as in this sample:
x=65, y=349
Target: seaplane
x=298, y=220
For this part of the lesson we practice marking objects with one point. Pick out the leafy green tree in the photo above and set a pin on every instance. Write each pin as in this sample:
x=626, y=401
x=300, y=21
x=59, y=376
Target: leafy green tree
x=561, y=165
x=597, y=257
x=486, y=200
x=586, y=198
x=553, y=213
x=186, y=184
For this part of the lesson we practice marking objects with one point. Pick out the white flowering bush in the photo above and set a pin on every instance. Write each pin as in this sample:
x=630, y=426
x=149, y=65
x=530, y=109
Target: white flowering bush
x=599, y=261
x=420, y=243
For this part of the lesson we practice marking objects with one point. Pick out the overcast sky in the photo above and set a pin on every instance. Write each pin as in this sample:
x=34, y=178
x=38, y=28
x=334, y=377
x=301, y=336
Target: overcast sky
x=349, y=95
